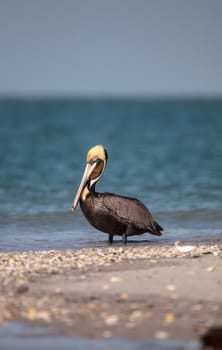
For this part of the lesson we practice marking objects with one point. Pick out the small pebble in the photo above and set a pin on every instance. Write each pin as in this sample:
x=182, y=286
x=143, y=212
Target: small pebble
x=183, y=247
x=171, y=287
x=210, y=268
x=22, y=288
x=111, y=320
x=135, y=316
x=115, y=279
x=106, y=286
x=161, y=335
x=57, y=290
x=169, y=317
x=197, y=307
x=124, y=296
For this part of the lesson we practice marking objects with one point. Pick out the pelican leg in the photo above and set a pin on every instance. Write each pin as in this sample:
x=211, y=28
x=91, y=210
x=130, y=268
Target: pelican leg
x=124, y=238
x=110, y=238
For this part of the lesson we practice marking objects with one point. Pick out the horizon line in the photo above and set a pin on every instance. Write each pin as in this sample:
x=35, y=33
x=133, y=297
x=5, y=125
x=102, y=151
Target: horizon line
x=62, y=96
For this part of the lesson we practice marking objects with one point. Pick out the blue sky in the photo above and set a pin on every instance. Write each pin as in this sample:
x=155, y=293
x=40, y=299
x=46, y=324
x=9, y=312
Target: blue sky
x=111, y=48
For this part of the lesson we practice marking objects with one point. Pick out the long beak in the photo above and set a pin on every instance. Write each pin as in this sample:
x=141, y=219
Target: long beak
x=86, y=175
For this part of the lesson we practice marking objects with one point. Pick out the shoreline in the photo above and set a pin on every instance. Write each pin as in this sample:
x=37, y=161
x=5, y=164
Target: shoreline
x=130, y=292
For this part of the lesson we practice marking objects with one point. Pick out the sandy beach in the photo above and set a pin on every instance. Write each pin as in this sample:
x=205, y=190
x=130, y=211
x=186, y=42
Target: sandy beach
x=126, y=292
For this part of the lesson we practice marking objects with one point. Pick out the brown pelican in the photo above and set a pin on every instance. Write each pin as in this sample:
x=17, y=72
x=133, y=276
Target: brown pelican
x=107, y=212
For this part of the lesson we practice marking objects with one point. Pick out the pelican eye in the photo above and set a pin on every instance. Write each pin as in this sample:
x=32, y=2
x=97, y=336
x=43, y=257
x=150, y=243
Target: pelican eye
x=94, y=160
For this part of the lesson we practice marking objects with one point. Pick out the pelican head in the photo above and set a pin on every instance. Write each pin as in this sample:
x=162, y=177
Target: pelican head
x=96, y=160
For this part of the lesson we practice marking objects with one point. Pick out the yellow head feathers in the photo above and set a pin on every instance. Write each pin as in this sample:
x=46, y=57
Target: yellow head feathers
x=96, y=152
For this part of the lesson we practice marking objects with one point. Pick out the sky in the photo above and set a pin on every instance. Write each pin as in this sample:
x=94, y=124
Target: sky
x=111, y=48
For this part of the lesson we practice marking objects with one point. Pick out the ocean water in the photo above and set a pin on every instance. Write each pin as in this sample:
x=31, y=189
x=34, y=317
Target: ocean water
x=166, y=153
x=17, y=336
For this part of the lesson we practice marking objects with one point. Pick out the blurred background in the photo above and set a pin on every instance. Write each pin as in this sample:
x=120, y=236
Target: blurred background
x=111, y=48
x=144, y=78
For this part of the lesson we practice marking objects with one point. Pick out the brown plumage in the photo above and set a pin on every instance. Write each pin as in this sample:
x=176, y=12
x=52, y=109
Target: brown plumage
x=107, y=212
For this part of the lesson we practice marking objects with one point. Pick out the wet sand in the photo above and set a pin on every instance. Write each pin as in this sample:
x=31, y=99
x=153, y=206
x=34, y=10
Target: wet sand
x=125, y=292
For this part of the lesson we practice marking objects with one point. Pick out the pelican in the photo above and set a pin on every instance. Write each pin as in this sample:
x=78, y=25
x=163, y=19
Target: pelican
x=108, y=212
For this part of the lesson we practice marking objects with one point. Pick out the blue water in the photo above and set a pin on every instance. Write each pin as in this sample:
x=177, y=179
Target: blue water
x=166, y=153
x=20, y=336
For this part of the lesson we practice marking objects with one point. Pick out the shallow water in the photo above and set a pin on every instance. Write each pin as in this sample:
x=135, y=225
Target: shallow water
x=166, y=153
x=19, y=336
